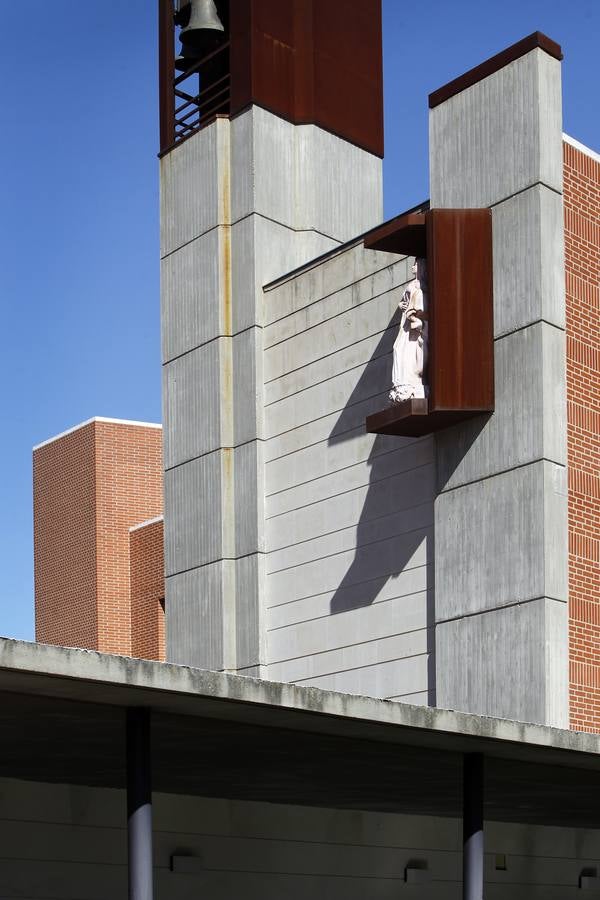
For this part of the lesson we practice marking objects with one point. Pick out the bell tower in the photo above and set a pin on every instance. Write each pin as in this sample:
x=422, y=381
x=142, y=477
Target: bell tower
x=271, y=140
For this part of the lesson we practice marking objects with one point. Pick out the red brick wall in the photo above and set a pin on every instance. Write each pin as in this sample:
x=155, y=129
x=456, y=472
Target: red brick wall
x=147, y=576
x=129, y=490
x=582, y=263
x=90, y=487
x=64, y=527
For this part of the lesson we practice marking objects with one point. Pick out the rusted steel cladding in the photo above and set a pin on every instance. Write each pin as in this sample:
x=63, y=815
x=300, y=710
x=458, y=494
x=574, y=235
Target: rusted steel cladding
x=461, y=347
x=311, y=61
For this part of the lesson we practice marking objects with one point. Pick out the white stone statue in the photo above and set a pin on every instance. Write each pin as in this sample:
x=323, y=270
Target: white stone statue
x=410, y=347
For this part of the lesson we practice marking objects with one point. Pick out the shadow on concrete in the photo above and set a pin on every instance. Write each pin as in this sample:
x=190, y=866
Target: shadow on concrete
x=396, y=517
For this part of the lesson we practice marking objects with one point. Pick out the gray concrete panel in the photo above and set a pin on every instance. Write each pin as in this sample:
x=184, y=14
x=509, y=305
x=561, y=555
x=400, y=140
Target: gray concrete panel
x=556, y=532
x=358, y=655
x=302, y=546
x=326, y=166
x=313, y=460
x=251, y=636
x=195, y=621
x=248, y=408
x=297, y=176
x=497, y=540
x=264, y=849
x=263, y=166
x=249, y=498
x=261, y=251
x=409, y=476
x=306, y=301
x=383, y=679
x=193, y=293
x=385, y=631
x=195, y=494
x=365, y=273
x=498, y=137
x=529, y=421
x=363, y=565
x=528, y=260
x=324, y=334
x=472, y=652
x=402, y=598
x=194, y=398
x=198, y=168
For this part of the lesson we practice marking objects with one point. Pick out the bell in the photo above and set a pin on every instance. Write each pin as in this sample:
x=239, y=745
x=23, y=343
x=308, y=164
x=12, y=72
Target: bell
x=203, y=27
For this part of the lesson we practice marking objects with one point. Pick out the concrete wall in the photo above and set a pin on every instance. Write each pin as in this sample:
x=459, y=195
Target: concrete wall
x=69, y=843
x=242, y=202
x=500, y=517
x=349, y=515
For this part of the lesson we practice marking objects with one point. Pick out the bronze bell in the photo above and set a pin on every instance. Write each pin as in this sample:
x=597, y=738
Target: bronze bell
x=203, y=29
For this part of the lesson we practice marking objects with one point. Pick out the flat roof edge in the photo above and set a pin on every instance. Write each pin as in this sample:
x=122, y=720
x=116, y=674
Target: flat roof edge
x=494, y=64
x=581, y=147
x=146, y=523
x=110, y=421
x=122, y=675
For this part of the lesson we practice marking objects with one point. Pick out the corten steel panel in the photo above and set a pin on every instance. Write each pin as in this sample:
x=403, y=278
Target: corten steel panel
x=457, y=244
x=490, y=66
x=406, y=234
x=311, y=63
x=414, y=418
x=461, y=346
x=166, y=73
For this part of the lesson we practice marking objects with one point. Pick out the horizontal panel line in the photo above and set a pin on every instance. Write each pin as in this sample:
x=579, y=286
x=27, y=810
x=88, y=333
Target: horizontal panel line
x=533, y=462
x=212, y=452
x=359, y=429
x=360, y=668
x=327, y=415
x=317, y=537
x=398, y=697
x=389, y=327
x=319, y=359
x=512, y=605
x=354, y=549
x=214, y=562
x=524, y=190
x=341, y=493
x=310, y=654
x=332, y=875
x=249, y=215
x=414, y=594
x=354, y=584
x=540, y=321
x=339, y=290
x=353, y=465
x=208, y=342
x=350, y=308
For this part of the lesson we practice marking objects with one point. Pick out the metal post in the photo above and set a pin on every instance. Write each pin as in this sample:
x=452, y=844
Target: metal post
x=139, y=805
x=473, y=826
x=166, y=73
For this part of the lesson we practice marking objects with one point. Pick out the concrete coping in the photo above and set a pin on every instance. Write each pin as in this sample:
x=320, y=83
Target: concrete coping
x=534, y=41
x=147, y=523
x=92, y=677
x=128, y=422
x=342, y=248
x=581, y=147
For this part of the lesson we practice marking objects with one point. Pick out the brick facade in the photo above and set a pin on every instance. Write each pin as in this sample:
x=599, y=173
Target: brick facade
x=91, y=486
x=582, y=264
x=64, y=528
x=147, y=578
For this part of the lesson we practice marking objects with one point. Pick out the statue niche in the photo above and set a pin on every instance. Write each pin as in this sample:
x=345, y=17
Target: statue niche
x=410, y=346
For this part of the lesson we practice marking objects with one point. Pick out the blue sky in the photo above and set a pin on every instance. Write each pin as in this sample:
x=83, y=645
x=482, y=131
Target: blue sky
x=79, y=276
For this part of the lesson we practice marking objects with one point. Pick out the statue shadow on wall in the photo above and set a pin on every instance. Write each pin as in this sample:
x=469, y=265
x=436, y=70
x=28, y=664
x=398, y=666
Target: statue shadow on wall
x=395, y=523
